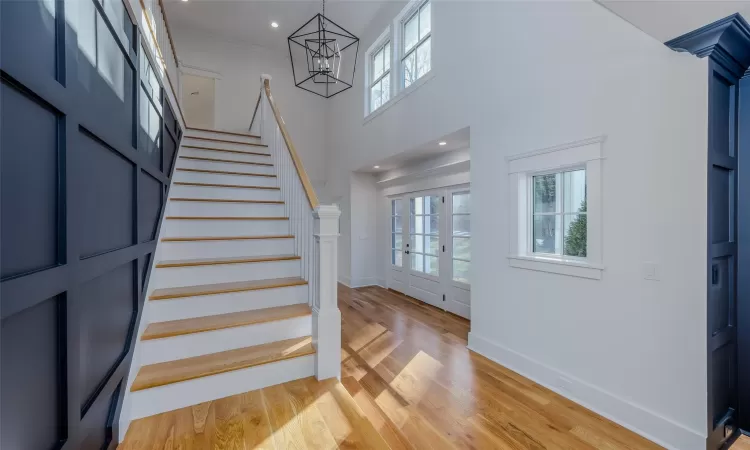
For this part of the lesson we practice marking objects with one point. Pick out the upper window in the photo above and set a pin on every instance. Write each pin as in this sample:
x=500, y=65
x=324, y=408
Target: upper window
x=380, y=76
x=559, y=213
x=461, y=236
x=416, y=51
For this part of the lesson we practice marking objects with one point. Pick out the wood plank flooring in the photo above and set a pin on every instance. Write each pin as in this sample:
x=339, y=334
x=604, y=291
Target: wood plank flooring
x=406, y=366
x=742, y=443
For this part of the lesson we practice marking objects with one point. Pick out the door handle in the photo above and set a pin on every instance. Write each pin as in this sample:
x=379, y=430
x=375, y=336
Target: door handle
x=407, y=252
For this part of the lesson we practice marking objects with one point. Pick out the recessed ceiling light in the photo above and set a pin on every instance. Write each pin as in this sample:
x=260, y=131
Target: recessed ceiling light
x=442, y=143
x=376, y=167
x=273, y=24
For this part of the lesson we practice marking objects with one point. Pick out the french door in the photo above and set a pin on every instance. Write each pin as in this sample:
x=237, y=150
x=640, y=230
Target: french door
x=430, y=254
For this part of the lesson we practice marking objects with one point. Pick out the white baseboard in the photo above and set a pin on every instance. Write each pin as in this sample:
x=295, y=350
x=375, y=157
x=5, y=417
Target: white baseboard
x=648, y=424
x=362, y=282
x=346, y=281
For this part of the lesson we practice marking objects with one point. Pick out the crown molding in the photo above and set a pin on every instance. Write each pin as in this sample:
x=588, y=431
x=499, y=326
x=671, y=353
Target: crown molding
x=726, y=41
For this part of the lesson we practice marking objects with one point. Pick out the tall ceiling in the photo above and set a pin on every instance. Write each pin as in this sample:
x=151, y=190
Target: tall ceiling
x=250, y=20
x=667, y=19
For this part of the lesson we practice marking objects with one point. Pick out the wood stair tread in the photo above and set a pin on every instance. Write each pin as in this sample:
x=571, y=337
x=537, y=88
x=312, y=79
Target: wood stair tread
x=214, y=149
x=225, y=288
x=216, y=261
x=225, y=218
x=171, y=328
x=231, y=161
x=225, y=141
x=225, y=200
x=233, y=133
x=226, y=172
x=241, y=186
x=170, y=372
x=224, y=238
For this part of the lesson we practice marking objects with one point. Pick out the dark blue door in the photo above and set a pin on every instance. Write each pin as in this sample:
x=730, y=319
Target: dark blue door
x=86, y=147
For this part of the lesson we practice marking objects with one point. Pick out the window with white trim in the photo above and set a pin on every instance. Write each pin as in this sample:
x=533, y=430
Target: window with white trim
x=555, y=209
x=416, y=51
x=396, y=233
x=380, y=76
x=558, y=214
x=461, y=236
x=424, y=229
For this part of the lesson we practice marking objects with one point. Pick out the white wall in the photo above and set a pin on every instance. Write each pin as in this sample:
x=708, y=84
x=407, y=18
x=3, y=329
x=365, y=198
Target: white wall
x=530, y=75
x=240, y=66
x=363, y=234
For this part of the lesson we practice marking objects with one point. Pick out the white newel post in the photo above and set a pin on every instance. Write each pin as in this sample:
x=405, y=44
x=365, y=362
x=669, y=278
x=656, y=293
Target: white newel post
x=326, y=314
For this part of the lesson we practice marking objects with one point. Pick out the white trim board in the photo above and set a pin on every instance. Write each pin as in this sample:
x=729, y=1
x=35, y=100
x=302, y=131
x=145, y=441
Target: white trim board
x=426, y=184
x=659, y=429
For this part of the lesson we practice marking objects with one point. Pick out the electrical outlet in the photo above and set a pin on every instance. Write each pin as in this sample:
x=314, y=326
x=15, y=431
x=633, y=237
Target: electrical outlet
x=651, y=271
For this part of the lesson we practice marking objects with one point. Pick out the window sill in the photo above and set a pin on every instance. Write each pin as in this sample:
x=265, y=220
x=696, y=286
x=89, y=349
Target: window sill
x=573, y=268
x=400, y=96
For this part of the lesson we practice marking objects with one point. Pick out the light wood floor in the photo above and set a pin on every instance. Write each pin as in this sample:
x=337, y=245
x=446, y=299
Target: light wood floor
x=406, y=366
x=743, y=443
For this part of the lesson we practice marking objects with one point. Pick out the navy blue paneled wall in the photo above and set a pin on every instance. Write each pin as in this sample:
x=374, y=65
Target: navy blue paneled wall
x=87, y=146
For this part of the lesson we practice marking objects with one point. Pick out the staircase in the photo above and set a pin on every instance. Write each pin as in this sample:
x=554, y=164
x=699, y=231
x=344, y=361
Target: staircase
x=242, y=294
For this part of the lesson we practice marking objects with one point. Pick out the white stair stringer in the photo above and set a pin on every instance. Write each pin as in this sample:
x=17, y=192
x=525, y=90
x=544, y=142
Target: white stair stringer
x=159, y=399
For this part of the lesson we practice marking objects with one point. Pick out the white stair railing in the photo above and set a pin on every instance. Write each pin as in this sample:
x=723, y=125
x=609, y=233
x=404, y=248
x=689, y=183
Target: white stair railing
x=315, y=230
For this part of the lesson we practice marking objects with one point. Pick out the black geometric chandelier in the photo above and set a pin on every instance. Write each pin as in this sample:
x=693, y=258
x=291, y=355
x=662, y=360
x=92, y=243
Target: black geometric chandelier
x=324, y=56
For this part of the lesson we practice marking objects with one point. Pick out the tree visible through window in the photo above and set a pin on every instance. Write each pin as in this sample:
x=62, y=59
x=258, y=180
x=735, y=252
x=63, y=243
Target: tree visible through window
x=380, y=76
x=559, y=213
x=417, y=50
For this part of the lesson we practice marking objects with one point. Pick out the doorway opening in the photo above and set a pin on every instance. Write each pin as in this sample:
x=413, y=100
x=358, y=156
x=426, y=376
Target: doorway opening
x=198, y=100
x=430, y=247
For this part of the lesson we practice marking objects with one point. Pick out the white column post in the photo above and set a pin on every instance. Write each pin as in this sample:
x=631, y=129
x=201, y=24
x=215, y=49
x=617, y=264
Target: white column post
x=326, y=314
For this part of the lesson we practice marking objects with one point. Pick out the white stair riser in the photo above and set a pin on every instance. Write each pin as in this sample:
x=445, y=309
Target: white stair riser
x=216, y=228
x=167, y=277
x=224, y=136
x=224, y=145
x=207, y=305
x=224, y=209
x=224, y=249
x=222, y=178
x=223, y=193
x=189, y=151
x=227, y=167
x=197, y=344
x=160, y=399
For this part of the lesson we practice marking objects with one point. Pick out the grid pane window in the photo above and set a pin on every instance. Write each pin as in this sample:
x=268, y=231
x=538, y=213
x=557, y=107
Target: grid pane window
x=559, y=213
x=380, y=86
x=417, y=50
x=396, y=230
x=425, y=233
x=461, y=236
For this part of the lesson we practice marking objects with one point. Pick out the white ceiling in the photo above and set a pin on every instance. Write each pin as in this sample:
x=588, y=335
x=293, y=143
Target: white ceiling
x=668, y=19
x=459, y=139
x=250, y=20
